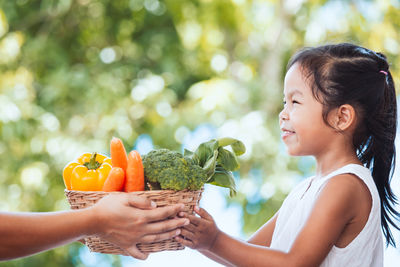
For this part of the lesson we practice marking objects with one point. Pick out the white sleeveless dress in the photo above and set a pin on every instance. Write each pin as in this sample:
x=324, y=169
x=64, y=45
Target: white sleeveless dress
x=366, y=250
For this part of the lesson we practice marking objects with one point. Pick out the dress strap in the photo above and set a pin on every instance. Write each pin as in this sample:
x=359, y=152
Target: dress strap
x=360, y=171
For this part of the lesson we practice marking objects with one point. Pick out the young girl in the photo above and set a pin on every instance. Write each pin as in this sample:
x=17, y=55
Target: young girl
x=340, y=107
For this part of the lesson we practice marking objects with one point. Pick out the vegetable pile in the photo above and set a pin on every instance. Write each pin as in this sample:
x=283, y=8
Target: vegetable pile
x=96, y=172
x=209, y=163
x=160, y=169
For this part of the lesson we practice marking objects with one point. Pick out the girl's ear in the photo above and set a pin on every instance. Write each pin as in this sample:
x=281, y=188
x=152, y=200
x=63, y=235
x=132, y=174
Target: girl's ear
x=343, y=117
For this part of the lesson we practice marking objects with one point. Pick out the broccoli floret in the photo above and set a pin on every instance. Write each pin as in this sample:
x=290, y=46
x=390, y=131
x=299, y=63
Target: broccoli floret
x=197, y=177
x=172, y=170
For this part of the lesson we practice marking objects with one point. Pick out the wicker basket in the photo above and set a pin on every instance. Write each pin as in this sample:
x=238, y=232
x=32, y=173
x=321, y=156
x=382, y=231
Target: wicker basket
x=83, y=199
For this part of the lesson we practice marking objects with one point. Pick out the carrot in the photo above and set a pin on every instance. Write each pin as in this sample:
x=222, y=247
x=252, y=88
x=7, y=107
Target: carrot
x=134, y=173
x=115, y=180
x=118, y=154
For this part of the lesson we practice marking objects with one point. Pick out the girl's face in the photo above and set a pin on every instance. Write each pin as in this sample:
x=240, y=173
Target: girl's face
x=303, y=129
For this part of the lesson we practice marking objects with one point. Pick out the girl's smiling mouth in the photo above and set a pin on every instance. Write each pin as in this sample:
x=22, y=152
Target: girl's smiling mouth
x=286, y=133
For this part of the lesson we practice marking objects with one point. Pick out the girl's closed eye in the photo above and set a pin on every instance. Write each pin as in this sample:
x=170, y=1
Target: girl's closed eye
x=293, y=102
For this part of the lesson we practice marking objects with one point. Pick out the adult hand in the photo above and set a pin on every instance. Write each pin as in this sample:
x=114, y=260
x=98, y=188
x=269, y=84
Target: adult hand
x=126, y=219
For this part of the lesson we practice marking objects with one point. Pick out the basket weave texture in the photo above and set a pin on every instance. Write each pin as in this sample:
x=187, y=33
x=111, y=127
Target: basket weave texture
x=83, y=199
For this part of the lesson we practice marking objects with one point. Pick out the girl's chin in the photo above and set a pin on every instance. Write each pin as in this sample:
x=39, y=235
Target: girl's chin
x=298, y=153
x=295, y=152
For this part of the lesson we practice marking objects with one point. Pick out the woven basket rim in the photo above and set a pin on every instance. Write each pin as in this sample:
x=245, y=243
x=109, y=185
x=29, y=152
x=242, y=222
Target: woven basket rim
x=154, y=191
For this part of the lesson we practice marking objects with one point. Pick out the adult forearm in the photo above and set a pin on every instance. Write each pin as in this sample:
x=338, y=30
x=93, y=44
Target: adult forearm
x=241, y=253
x=23, y=234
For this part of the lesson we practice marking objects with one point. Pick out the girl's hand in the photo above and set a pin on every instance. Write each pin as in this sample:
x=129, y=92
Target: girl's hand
x=126, y=220
x=201, y=233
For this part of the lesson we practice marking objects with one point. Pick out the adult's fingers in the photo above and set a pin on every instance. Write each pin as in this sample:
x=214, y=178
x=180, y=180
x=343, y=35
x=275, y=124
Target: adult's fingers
x=163, y=213
x=185, y=242
x=140, y=202
x=182, y=214
x=165, y=226
x=160, y=237
x=136, y=253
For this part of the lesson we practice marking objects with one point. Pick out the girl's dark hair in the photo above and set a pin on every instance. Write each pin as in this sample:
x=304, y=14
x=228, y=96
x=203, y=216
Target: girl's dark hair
x=349, y=74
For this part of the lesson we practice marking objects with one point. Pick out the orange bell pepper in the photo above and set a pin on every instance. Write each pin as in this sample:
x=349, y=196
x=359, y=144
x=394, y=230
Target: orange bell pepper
x=87, y=173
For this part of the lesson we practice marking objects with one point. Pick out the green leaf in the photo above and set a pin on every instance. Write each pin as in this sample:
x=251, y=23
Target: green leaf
x=224, y=179
x=187, y=153
x=206, y=150
x=237, y=146
x=227, y=159
x=210, y=165
x=191, y=155
x=219, y=162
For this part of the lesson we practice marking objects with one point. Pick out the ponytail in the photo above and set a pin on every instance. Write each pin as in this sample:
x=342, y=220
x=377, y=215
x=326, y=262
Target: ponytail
x=379, y=154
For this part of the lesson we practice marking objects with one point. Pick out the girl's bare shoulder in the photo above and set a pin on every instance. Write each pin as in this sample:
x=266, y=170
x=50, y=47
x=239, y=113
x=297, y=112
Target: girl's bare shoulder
x=350, y=188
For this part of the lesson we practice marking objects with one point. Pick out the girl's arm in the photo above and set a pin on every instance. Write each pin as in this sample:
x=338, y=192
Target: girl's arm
x=122, y=219
x=216, y=258
x=207, y=253
x=335, y=207
x=263, y=236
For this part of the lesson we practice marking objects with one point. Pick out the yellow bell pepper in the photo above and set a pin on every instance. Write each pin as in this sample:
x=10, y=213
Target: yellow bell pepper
x=87, y=173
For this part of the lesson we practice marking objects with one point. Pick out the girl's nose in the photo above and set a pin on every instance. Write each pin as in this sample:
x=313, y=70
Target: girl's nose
x=283, y=116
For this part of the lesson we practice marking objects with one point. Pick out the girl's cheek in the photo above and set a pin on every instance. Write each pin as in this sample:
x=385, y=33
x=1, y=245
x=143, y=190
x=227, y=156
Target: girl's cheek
x=293, y=116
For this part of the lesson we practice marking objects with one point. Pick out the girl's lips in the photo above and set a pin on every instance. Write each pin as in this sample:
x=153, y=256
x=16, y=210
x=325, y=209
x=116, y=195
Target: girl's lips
x=286, y=133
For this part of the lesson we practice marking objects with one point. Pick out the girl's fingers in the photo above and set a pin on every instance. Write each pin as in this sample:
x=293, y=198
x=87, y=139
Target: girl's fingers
x=191, y=227
x=160, y=237
x=194, y=219
x=165, y=226
x=136, y=253
x=203, y=213
x=187, y=234
x=185, y=242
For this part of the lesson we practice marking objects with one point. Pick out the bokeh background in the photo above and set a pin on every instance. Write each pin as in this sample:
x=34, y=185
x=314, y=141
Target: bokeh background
x=171, y=74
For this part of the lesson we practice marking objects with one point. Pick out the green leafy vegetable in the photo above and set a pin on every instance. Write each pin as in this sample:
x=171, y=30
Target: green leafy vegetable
x=209, y=163
x=224, y=178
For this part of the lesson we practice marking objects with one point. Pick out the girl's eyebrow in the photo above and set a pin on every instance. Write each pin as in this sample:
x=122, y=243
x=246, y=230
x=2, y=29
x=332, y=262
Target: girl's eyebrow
x=293, y=92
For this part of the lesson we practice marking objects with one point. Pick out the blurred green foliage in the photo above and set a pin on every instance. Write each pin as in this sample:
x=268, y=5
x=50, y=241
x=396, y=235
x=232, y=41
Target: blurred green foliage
x=74, y=73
